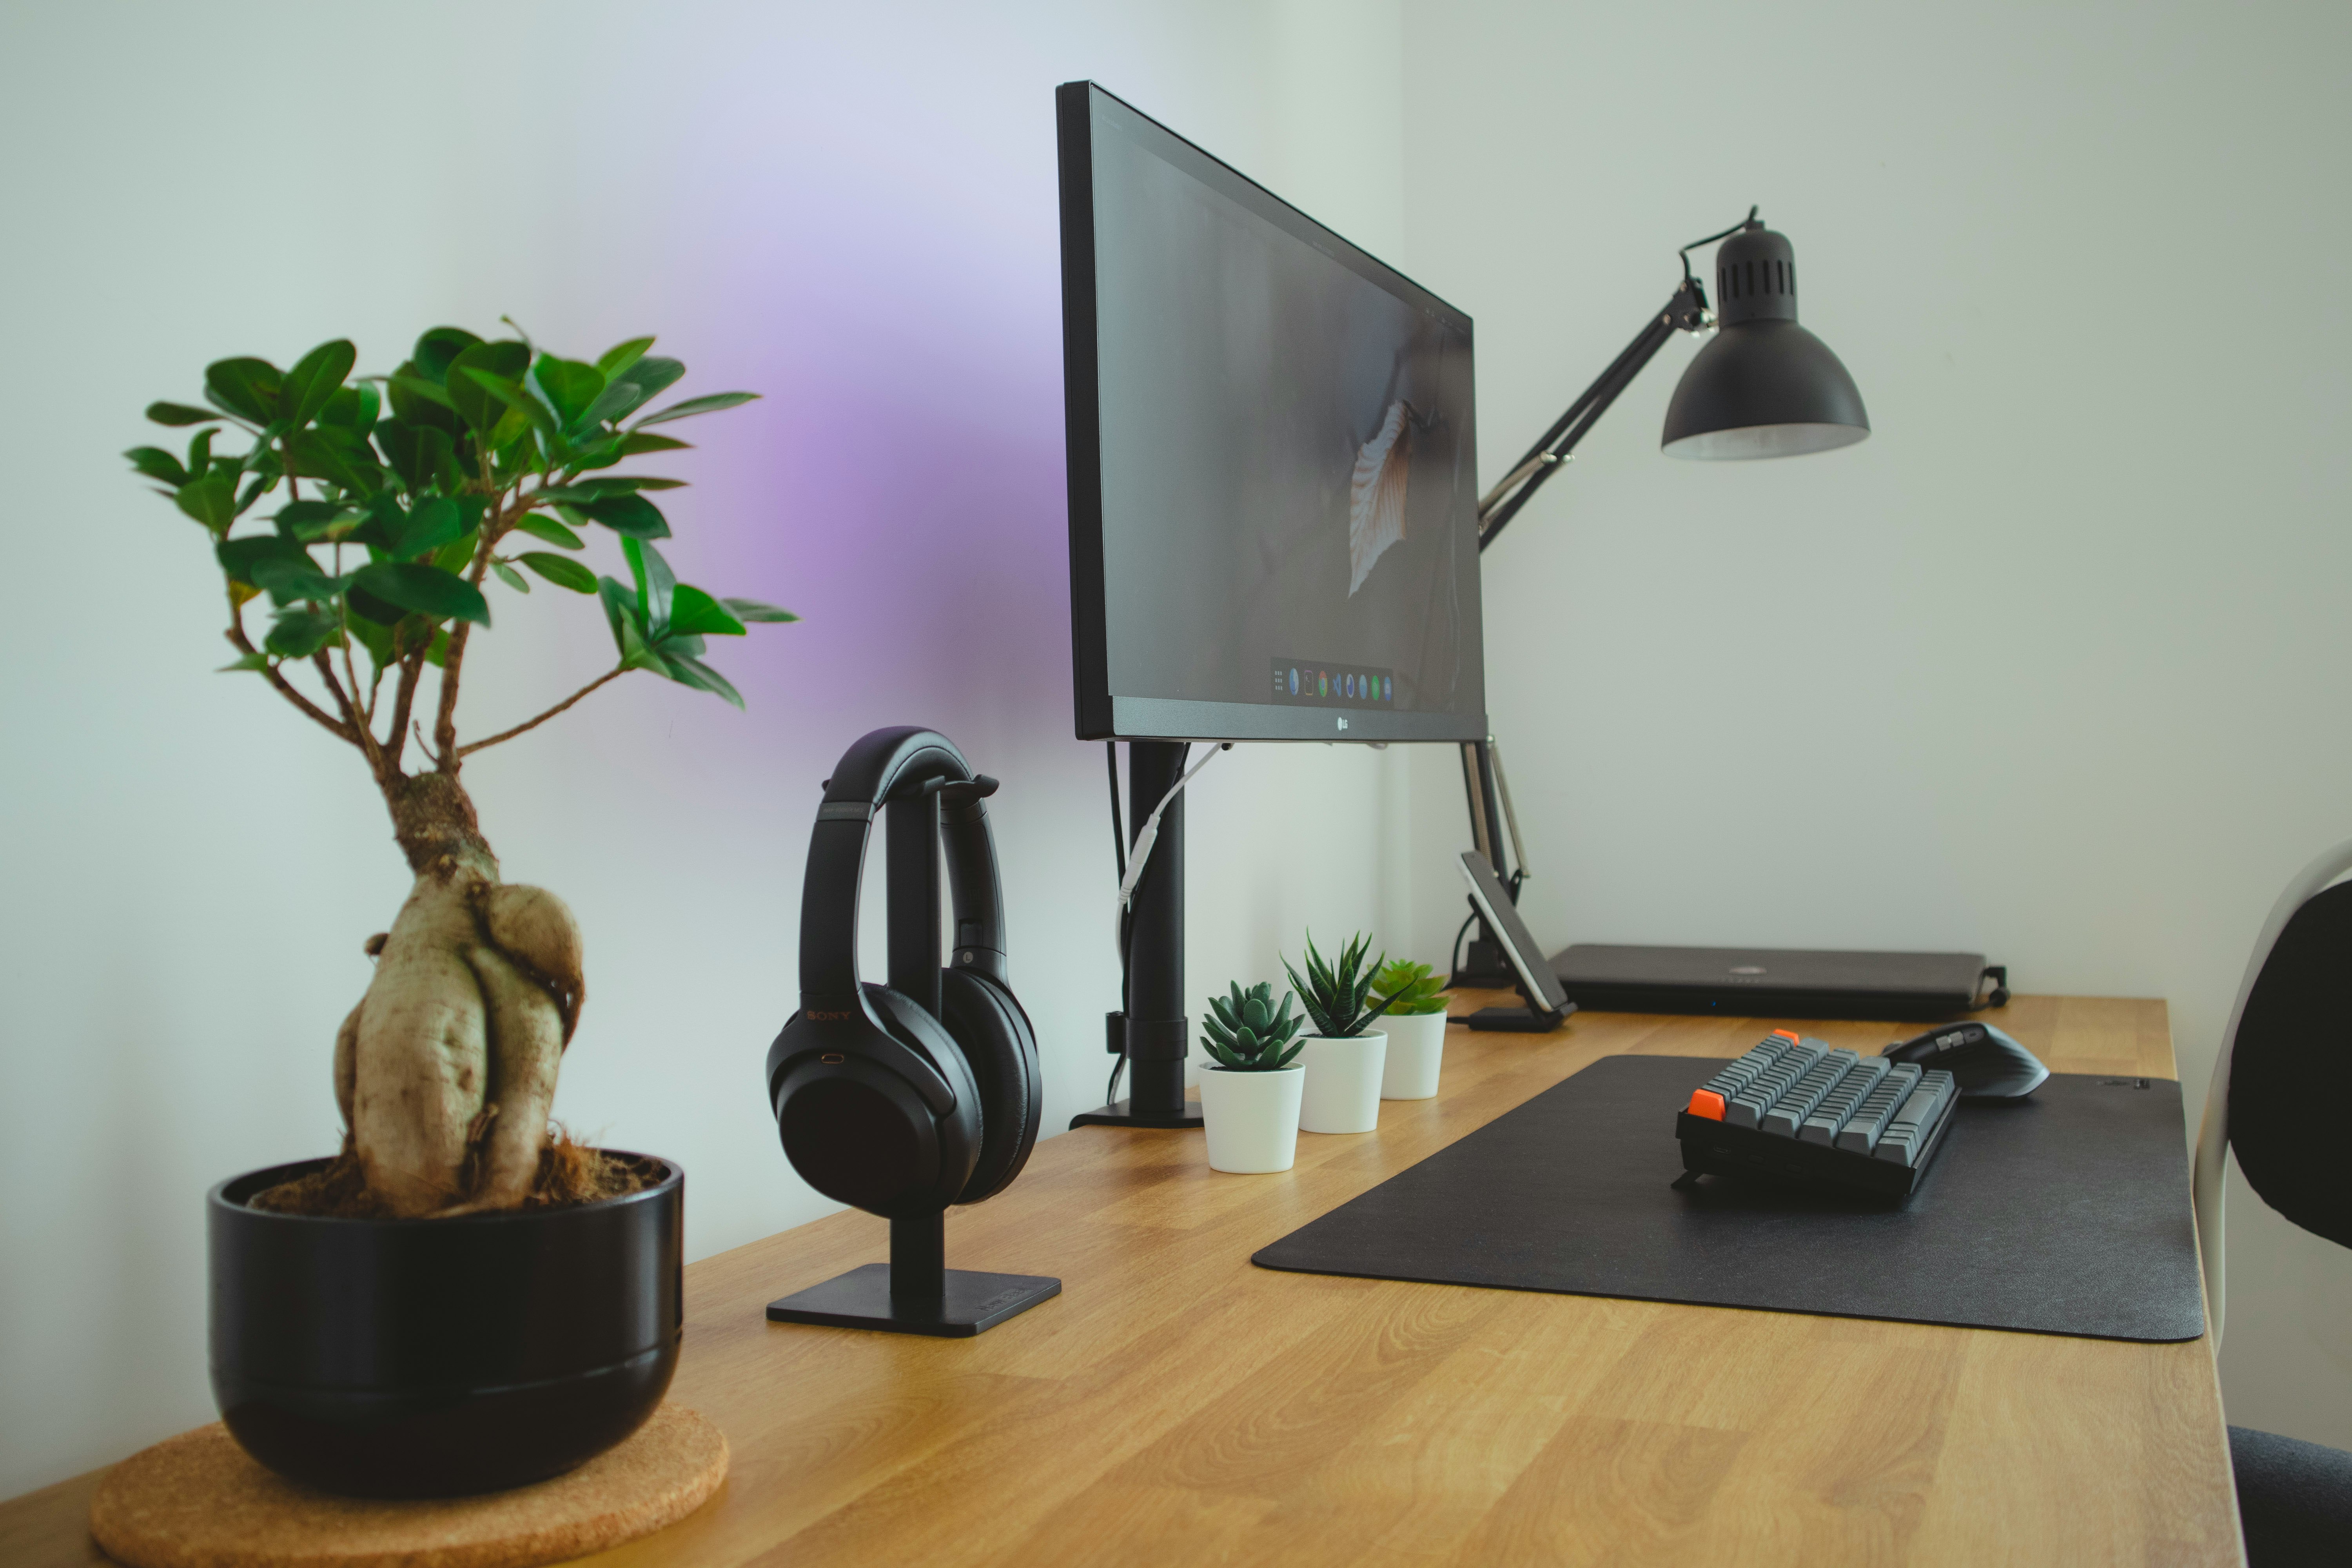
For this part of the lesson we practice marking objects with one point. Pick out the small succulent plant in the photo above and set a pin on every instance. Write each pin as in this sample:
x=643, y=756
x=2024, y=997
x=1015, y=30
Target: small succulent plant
x=1245, y=1034
x=1335, y=994
x=1410, y=989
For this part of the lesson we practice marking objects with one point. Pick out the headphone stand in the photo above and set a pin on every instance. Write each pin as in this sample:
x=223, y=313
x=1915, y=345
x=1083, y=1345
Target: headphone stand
x=916, y=1292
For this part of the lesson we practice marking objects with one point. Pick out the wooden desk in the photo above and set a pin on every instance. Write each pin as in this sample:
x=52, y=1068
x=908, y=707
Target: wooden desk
x=1176, y=1405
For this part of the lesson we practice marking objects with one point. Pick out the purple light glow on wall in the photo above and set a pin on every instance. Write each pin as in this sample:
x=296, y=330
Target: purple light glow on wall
x=901, y=483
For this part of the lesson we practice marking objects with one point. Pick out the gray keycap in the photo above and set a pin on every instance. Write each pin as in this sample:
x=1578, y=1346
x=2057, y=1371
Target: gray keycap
x=1862, y=1130
x=1908, y=1131
x=1739, y=1073
x=1807, y=1093
x=1841, y=1102
x=1749, y=1108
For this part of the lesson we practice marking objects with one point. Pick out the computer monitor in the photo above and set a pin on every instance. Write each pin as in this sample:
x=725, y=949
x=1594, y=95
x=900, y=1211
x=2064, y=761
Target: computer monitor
x=1272, y=462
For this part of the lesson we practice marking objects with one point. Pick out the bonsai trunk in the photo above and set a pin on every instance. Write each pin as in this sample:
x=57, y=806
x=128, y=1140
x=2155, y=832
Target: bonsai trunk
x=446, y=1071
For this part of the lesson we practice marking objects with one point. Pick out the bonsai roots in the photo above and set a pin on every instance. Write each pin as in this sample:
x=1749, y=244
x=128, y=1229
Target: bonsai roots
x=446, y=1071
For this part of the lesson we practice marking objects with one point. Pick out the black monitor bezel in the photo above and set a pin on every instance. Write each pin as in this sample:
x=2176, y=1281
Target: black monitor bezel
x=1102, y=716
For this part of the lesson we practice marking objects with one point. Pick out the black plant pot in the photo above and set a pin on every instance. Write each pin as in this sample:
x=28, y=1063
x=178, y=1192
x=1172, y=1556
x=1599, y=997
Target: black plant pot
x=405, y=1358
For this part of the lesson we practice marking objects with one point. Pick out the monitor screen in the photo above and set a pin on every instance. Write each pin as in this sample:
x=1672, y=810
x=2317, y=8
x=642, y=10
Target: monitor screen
x=1273, y=474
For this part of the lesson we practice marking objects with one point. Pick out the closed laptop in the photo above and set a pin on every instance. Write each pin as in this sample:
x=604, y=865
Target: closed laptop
x=1787, y=982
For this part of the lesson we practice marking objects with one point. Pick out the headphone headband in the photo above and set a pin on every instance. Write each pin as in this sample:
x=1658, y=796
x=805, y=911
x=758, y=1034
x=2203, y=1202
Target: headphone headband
x=900, y=763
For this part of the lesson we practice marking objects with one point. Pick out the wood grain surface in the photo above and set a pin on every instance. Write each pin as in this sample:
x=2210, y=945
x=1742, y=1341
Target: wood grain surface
x=1177, y=1405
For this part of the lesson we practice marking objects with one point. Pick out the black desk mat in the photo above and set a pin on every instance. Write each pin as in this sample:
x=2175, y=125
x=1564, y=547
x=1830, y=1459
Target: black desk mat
x=2066, y=1213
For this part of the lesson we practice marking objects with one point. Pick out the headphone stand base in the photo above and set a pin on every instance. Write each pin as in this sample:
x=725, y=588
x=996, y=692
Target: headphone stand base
x=1122, y=1113
x=973, y=1303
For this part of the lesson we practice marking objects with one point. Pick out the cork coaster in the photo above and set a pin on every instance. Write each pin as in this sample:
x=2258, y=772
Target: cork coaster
x=197, y=1501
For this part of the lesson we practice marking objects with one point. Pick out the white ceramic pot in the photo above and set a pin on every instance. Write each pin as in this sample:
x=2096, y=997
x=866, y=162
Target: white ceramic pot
x=1343, y=1083
x=1416, y=1044
x=1251, y=1118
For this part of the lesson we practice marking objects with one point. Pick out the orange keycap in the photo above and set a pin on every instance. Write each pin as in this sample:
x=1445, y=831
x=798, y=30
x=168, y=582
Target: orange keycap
x=1788, y=1035
x=1708, y=1103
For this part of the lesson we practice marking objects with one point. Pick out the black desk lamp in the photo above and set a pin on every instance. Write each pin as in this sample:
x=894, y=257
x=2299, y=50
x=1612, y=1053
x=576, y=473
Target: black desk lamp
x=1764, y=388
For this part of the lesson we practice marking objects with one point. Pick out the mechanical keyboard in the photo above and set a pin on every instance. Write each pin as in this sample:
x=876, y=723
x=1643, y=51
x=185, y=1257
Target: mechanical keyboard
x=1798, y=1110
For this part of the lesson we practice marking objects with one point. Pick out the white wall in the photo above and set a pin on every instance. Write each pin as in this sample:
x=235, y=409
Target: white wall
x=2052, y=666
x=849, y=209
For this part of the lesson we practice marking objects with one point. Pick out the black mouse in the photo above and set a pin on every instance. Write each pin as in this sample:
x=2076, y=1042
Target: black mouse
x=1986, y=1063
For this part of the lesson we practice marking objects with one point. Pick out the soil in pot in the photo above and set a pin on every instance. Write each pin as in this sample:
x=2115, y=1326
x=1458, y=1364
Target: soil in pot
x=570, y=1171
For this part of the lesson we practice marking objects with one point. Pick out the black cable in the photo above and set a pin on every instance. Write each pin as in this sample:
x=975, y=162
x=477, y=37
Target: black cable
x=1118, y=828
x=1454, y=953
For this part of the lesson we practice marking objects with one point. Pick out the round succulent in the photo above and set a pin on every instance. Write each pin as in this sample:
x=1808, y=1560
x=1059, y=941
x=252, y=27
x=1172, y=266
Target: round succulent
x=1245, y=1034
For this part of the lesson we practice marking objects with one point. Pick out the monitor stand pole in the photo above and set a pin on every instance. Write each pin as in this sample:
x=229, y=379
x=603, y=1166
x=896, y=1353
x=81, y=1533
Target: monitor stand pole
x=1156, y=1033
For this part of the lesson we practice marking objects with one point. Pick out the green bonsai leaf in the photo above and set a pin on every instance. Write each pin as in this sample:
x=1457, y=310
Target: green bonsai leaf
x=541, y=526
x=292, y=579
x=457, y=554
x=248, y=388
x=423, y=455
x=316, y=377
x=631, y=516
x=621, y=356
x=569, y=386
x=343, y=463
x=511, y=577
x=689, y=670
x=299, y=633
x=427, y=529
x=177, y=414
x=438, y=349
x=416, y=401
x=696, y=613
x=470, y=393
x=752, y=610
x=638, y=442
x=250, y=661
x=158, y=465
x=517, y=397
x=352, y=408
x=630, y=389
x=630, y=634
x=656, y=587
x=425, y=590
x=211, y=501
x=709, y=403
x=559, y=569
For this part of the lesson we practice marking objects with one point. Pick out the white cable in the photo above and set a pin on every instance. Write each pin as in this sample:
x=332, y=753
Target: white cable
x=1144, y=837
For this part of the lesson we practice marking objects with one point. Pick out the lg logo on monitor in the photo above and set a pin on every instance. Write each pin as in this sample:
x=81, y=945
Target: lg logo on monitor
x=1343, y=723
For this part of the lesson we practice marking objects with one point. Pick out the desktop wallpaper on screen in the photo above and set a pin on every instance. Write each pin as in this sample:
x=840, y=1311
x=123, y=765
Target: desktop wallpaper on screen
x=1288, y=480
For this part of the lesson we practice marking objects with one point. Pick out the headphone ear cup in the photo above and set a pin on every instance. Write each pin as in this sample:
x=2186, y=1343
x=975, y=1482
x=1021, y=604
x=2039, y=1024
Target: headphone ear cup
x=988, y=1023
x=962, y=1130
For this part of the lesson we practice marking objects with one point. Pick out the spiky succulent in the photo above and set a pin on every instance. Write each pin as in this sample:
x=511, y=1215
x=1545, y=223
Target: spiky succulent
x=1409, y=989
x=1245, y=1034
x=1334, y=994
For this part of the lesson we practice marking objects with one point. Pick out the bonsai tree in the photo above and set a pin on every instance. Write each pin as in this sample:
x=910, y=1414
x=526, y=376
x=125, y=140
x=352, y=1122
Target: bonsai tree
x=1245, y=1033
x=372, y=513
x=1409, y=990
x=1335, y=994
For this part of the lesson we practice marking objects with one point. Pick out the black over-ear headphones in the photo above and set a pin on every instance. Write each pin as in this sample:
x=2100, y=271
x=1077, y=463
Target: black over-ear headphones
x=901, y=1100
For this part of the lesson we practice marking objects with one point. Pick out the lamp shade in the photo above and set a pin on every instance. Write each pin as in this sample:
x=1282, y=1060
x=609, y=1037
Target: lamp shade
x=1764, y=388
